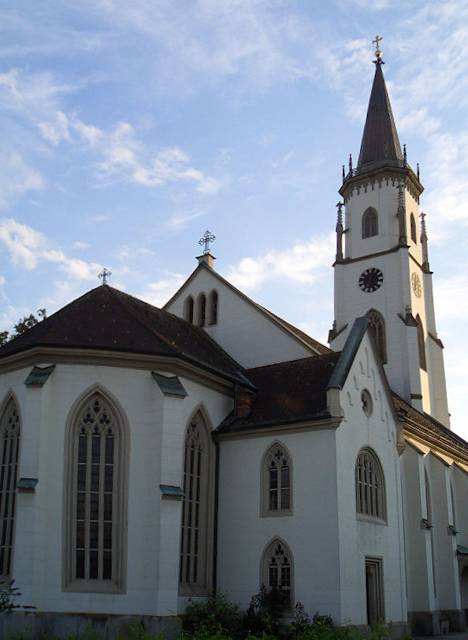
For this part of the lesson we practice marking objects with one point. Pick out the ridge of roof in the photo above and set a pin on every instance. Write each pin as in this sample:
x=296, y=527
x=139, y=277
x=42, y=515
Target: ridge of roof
x=380, y=142
x=293, y=331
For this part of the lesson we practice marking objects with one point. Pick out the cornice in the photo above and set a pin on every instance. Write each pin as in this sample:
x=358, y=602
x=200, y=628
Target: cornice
x=93, y=357
x=378, y=175
x=437, y=442
x=273, y=429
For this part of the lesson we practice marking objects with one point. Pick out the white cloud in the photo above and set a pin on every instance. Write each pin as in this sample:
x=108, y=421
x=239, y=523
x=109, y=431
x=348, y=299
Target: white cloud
x=79, y=244
x=124, y=155
x=28, y=247
x=304, y=262
x=16, y=177
x=160, y=291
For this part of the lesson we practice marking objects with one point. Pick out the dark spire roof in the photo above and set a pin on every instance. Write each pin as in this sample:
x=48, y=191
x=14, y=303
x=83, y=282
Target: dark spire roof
x=108, y=319
x=380, y=144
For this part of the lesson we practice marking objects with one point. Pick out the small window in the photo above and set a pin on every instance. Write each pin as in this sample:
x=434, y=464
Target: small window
x=414, y=236
x=276, y=482
x=188, y=311
x=370, y=486
x=370, y=223
x=9, y=449
x=377, y=325
x=421, y=344
x=201, y=310
x=366, y=402
x=277, y=570
x=213, y=307
x=374, y=591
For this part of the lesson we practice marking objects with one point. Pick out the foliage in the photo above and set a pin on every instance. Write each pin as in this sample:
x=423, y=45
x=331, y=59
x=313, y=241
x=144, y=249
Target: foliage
x=23, y=325
x=215, y=617
x=137, y=631
x=266, y=611
x=8, y=594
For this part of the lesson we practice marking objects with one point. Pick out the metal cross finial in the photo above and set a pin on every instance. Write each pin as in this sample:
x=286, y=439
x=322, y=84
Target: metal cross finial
x=105, y=273
x=205, y=241
x=378, y=51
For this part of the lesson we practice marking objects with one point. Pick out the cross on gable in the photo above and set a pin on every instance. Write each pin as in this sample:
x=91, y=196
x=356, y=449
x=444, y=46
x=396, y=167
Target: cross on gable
x=205, y=241
x=105, y=273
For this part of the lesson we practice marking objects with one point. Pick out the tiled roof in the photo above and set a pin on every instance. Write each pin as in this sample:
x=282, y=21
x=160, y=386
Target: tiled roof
x=108, y=319
x=380, y=141
x=287, y=392
x=429, y=429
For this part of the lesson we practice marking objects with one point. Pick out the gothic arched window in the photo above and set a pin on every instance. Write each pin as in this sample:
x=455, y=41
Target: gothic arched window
x=213, y=307
x=9, y=450
x=421, y=344
x=414, y=236
x=188, y=309
x=277, y=569
x=276, y=482
x=96, y=519
x=201, y=310
x=377, y=326
x=370, y=223
x=370, y=485
x=196, y=509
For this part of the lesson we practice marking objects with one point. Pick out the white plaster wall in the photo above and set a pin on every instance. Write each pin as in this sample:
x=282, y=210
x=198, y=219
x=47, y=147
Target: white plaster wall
x=311, y=532
x=360, y=537
x=243, y=331
x=157, y=430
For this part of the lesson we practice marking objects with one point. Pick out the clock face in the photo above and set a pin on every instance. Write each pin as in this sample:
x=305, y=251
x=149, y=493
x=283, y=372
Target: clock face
x=416, y=284
x=370, y=280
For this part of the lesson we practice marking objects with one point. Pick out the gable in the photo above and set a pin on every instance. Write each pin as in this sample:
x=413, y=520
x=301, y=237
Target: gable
x=251, y=334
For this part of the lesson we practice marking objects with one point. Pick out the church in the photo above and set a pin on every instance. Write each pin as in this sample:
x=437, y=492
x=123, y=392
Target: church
x=150, y=456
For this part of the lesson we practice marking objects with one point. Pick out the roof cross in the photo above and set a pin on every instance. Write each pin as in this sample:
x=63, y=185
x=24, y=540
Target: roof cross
x=105, y=273
x=378, y=51
x=205, y=241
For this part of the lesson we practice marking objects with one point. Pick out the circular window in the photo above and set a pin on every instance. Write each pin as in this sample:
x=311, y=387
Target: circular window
x=366, y=402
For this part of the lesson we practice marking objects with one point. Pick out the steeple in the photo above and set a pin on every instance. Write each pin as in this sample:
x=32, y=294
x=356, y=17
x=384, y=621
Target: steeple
x=380, y=144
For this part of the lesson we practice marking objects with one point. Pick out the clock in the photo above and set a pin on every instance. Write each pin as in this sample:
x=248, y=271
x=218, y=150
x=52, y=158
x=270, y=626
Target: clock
x=370, y=280
x=416, y=284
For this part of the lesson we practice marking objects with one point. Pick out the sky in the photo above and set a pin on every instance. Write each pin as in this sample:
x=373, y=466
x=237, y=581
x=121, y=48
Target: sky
x=129, y=128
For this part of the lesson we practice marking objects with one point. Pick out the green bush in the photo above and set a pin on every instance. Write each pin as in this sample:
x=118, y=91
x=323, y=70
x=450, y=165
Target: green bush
x=214, y=618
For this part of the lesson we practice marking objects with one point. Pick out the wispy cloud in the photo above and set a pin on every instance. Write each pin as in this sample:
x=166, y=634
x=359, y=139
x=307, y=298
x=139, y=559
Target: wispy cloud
x=28, y=247
x=16, y=177
x=159, y=291
x=304, y=262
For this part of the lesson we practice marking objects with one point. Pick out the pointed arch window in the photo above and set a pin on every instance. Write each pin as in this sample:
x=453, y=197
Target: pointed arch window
x=277, y=570
x=370, y=485
x=276, y=482
x=201, y=310
x=377, y=326
x=188, y=310
x=98, y=498
x=413, y=232
x=370, y=223
x=421, y=344
x=213, y=307
x=195, y=544
x=9, y=452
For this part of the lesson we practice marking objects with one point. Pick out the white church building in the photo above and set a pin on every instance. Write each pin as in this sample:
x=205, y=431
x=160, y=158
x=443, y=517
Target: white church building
x=149, y=456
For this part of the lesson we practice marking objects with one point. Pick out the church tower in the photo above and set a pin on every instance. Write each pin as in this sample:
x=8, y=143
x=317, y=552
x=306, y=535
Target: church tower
x=382, y=265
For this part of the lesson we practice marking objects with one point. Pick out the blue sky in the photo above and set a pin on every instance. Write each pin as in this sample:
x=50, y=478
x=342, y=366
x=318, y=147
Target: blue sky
x=128, y=128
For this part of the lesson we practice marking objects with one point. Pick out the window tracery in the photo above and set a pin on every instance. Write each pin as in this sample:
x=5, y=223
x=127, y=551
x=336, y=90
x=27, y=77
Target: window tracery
x=377, y=326
x=370, y=485
x=276, y=481
x=9, y=451
x=277, y=569
x=370, y=223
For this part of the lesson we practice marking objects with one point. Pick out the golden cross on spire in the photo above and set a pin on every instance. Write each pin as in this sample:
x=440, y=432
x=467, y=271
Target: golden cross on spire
x=378, y=51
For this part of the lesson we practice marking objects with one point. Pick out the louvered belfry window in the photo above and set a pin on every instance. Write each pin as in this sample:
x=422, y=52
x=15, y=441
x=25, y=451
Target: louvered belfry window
x=95, y=476
x=370, y=487
x=194, y=538
x=9, y=451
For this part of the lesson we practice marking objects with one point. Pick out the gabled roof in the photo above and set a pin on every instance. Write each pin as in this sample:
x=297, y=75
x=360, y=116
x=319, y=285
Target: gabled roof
x=108, y=319
x=426, y=428
x=380, y=143
x=298, y=335
x=286, y=392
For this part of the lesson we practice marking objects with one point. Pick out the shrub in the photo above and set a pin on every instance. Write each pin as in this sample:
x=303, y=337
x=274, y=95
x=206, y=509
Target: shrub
x=265, y=612
x=215, y=616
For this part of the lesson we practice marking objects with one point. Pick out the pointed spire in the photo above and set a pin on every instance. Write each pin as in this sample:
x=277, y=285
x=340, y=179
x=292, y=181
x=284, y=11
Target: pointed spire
x=380, y=142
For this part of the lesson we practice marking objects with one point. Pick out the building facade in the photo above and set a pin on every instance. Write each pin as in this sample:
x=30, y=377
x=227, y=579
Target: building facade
x=150, y=456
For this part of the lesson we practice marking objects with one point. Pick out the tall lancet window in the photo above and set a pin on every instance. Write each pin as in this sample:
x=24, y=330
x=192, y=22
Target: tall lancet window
x=377, y=326
x=97, y=504
x=370, y=223
x=201, y=310
x=276, y=482
x=413, y=232
x=9, y=450
x=213, y=307
x=370, y=485
x=196, y=510
x=188, y=309
x=277, y=569
x=421, y=344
